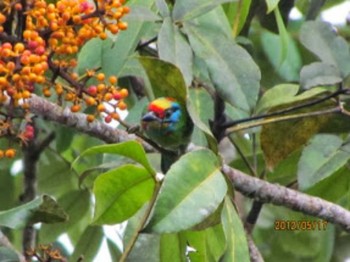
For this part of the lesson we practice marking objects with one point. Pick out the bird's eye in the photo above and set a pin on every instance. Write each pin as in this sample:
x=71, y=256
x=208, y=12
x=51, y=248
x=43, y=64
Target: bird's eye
x=168, y=114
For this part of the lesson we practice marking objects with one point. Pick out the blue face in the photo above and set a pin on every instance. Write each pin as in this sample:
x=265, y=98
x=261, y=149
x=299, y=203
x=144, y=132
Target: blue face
x=171, y=117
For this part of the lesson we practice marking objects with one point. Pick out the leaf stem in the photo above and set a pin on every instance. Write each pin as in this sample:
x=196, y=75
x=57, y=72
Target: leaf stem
x=144, y=219
x=261, y=122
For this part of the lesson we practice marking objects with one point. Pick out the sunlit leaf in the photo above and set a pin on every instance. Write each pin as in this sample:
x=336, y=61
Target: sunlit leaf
x=120, y=193
x=130, y=149
x=193, y=189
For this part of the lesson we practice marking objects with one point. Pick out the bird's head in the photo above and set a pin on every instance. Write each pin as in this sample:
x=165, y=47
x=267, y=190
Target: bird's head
x=163, y=116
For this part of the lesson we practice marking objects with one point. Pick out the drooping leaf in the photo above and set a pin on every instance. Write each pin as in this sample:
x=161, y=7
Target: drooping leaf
x=232, y=71
x=236, y=242
x=130, y=149
x=174, y=48
x=278, y=140
x=324, y=155
x=88, y=244
x=43, y=209
x=193, y=189
x=166, y=78
x=319, y=74
x=322, y=40
x=77, y=204
x=114, y=250
x=185, y=10
x=120, y=193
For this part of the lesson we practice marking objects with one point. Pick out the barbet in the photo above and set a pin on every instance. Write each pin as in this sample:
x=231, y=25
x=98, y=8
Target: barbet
x=167, y=123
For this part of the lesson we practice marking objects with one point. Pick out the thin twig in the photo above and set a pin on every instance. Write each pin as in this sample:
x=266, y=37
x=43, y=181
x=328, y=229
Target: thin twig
x=288, y=110
x=281, y=118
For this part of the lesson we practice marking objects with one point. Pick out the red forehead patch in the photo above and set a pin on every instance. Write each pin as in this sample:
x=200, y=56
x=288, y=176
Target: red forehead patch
x=159, y=106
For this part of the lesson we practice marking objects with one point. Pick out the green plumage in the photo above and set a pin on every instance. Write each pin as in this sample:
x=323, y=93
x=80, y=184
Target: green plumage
x=167, y=123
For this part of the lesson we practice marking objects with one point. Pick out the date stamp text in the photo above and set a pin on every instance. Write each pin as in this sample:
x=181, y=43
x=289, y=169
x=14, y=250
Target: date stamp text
x=300, y=225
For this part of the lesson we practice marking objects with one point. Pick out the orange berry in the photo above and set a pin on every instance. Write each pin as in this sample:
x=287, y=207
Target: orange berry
x=26, y=94
x=124, y=92
x=103, y=35
x=3, y=81
x=115, y=116
x=90, y=118
x=108, y=97
x=18, y=6
x=2, y=18
x=10, y=153
x=126, y=9
x=2, y=154
x=19, y=47
x=47, y=92
x=101, y=108
x=122, y=105
x=100, y=76
x=113, y=80
x=122, y=25
x=75, y=108
x=90, y=101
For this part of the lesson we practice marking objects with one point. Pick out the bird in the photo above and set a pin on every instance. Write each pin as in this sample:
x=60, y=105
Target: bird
x=167, y=123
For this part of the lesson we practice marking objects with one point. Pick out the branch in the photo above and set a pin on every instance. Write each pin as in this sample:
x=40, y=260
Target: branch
x=279, y=195
x=55, y=113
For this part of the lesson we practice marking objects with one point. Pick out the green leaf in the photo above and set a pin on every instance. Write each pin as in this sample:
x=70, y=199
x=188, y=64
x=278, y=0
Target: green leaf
x=284, y=94
x=166, y=79
x=120, y=193
x=8, y=255
x=172, y=248
x=236, y=242
x=232, y=70
x=283, y=54
x=333, y=187
x=130, y=149
x=192, y=190
x=77, y=204
x=142, y=13
x=318, y=74
x=322, y=40
x=209, y=244
x=203, y=106
x=277, y=95
x=237, y=13
x=43, y=209
x=324, y=155
x=186, y=10
x=114, y=250
x=163, y=8
x=174, y=48
x=88, y=244
x=271, y=5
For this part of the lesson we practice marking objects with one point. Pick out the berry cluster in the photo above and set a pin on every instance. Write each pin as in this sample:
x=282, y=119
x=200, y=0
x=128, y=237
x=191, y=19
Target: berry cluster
x=39, y=42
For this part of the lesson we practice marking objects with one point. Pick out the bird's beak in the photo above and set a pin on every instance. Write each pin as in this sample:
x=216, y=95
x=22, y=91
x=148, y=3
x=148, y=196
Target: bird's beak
x=150, y=117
